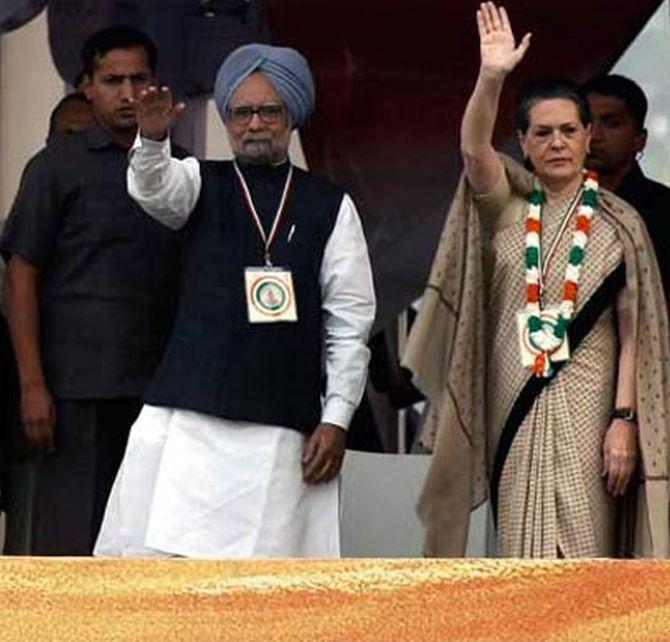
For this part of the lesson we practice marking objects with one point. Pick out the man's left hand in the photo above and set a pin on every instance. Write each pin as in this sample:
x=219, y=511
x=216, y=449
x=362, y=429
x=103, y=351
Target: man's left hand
x=323, y=453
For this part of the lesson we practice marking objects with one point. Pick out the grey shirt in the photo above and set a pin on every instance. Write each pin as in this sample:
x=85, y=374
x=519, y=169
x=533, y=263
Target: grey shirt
x=108, y=272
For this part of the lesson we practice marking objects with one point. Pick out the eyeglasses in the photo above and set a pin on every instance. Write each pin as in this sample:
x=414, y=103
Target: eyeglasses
x=270, y=113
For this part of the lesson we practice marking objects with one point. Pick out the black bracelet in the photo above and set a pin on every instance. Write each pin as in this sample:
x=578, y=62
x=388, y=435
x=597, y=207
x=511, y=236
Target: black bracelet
x=627, y=414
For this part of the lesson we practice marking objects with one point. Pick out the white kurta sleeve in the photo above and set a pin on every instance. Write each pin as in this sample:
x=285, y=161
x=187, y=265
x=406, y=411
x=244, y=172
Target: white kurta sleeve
x=166, y=188
x=348, y=302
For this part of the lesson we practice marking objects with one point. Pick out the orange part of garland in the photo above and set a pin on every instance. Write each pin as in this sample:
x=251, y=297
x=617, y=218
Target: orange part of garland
x=533, y=292
x=570, y=291
x=533, y=225
x=583, y=224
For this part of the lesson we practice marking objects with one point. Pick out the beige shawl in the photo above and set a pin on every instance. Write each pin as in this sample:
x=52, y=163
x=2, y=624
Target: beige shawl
x=446, y=355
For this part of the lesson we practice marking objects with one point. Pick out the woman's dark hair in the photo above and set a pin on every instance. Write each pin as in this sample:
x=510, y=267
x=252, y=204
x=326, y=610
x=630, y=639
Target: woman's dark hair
x=534, y=92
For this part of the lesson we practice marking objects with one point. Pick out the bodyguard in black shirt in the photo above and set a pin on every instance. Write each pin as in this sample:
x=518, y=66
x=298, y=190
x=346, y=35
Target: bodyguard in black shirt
x=618, y=111
x=91, y=283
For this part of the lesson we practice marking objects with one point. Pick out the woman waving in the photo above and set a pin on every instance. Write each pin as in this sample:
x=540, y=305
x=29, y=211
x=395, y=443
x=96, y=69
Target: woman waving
x=550, y=373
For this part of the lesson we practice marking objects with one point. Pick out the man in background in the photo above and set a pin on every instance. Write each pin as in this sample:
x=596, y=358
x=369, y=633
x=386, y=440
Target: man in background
x=73, y=113
x=618, y=137
x=90, y=288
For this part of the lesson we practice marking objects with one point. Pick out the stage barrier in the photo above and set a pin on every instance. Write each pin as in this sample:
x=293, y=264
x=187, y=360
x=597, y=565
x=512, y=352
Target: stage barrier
x=339, y=600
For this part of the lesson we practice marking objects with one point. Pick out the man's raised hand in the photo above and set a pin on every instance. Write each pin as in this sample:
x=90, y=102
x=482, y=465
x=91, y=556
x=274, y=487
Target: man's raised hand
x=498, y=53
x=155, y=112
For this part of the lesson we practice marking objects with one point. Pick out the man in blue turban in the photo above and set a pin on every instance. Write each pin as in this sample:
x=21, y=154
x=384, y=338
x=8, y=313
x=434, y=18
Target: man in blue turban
x=285, y=69
x=238, y=448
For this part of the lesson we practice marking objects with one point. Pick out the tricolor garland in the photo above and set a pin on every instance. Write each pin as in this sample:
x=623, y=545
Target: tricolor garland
x=544, y=335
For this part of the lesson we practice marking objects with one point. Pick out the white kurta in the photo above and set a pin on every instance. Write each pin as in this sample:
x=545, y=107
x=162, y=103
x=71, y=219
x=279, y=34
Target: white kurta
x=200, y=486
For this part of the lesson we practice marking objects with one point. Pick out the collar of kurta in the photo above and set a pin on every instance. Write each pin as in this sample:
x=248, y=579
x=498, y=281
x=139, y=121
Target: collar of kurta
x=252, y=171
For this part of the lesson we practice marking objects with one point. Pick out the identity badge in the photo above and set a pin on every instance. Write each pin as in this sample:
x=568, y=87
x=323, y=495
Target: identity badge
x=270, y=295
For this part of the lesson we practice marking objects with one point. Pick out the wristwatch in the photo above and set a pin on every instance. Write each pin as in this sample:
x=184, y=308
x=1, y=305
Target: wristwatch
x=627, y=414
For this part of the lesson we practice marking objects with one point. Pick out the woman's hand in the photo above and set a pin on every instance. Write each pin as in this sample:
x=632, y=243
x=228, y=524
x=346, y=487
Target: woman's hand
x=619, y=455
x=498, y=53
x=483, y=167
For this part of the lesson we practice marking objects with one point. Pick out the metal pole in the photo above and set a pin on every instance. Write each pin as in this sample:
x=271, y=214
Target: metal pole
x=402, y=424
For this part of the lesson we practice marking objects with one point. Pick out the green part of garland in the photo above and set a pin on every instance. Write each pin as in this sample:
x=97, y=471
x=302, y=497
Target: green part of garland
x=532, y=257
x=576, y=255
x=590, y=197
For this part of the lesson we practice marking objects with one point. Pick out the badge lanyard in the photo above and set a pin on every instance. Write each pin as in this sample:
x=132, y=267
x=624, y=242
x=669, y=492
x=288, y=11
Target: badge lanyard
x=269, y=290
x=557, y=239
x=267, y=240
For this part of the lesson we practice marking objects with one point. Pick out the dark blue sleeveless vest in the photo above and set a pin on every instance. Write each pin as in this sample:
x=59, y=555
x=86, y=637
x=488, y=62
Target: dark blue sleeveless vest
x=216, y=361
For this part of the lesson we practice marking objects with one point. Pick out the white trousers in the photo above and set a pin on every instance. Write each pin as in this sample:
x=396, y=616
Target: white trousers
x=193, y=485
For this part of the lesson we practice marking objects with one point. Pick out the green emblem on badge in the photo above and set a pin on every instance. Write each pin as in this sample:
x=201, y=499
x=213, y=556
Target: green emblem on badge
x=270, y=296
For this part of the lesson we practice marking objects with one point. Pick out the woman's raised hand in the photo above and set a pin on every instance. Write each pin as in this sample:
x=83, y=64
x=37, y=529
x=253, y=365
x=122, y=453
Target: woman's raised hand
x=499, y=55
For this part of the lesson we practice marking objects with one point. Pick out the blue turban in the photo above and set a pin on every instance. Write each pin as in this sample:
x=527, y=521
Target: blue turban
x=285, y=69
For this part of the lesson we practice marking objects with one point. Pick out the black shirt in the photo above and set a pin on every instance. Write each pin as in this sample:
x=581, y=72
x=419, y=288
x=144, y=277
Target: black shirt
x=652, y=201
x=108, y=271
